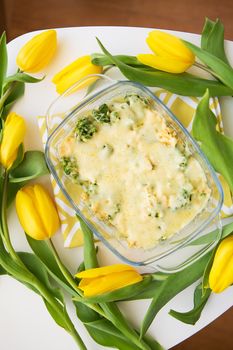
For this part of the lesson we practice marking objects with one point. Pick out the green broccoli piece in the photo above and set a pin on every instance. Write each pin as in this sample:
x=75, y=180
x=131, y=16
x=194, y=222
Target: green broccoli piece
x=102, y=114
x=85, y=128
x=70, y=167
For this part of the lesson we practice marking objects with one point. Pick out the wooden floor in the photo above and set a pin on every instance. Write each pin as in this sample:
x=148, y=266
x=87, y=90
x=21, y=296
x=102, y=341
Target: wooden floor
x=21, y=16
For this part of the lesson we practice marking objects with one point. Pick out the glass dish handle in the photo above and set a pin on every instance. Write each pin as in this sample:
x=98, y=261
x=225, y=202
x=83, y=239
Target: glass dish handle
x=73, y=97
x=196, y=255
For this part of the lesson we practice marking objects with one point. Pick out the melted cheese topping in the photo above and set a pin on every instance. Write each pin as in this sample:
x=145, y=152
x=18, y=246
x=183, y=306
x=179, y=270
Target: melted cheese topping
x=136, y=176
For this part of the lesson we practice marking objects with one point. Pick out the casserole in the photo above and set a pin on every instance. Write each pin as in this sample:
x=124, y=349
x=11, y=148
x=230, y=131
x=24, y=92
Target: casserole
x=107, y=232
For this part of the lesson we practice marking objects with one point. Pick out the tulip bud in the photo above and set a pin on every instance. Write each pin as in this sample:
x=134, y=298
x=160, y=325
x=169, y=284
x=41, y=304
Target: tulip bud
x=37, y=52
x=37, y=212
x=221, y=273
x=75, y=71
x=13, y=135
x=108, y=278
x=171, y=54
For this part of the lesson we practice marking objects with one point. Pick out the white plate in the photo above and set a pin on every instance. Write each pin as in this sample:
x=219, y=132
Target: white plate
x=24, y=321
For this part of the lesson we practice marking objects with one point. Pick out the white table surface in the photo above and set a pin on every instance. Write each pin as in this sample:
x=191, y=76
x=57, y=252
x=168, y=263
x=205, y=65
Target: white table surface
x=24, y=322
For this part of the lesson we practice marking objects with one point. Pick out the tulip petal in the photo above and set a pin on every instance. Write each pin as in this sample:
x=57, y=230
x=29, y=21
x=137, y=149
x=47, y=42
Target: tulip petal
x=105, y=270
x=13, y=135
x=168, y=45
x=27, y=213
x=37, y=52
x=75, y=71
x=46, y=210
x=165, y=64
x=85, y=281
x=111, y=282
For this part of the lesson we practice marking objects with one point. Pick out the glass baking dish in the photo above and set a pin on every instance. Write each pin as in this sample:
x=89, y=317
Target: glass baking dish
x=69, y=108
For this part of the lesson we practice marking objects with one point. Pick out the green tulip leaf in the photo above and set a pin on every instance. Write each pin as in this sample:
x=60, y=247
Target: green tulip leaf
x=100, y=59
x=12, y=267
x=32, y=167
x=169, y=288
x=44, y=253
x=37, y=268
x=52, y=296
x=217, y=147
x=212, y=39
x=220, y=69
x=181, y=84
x=105, y=333
x=90, y=257
x=57, y=314
x=3, y=60
x=23, y=78
x=104, y=337
x=192, y=316
x=2, y=271
x=102, y=330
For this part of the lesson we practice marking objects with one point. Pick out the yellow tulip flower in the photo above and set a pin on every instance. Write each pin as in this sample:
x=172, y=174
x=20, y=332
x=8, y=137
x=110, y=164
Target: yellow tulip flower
x=106, y=279
x=171, y=54
x=37, y=52
x=221, y=273
x=13, y=135
x=75, y=71
x=37, y=212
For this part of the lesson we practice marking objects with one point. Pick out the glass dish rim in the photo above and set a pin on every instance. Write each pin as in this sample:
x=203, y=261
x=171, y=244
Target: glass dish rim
x=194, y=143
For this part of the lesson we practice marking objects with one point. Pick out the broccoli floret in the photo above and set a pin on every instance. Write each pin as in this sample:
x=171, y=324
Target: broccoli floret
x=70, y=167
x=102, y=114
x=85, y=128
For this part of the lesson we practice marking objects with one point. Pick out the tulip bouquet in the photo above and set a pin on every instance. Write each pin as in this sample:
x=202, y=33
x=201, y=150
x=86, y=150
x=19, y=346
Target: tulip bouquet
x=95, y=290
x=166, y=66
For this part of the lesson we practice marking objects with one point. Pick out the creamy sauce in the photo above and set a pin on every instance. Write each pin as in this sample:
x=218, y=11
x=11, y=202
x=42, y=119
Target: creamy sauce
x=135, y=174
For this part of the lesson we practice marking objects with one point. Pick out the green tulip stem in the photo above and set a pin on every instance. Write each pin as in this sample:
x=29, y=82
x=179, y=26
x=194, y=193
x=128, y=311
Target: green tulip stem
x=72, y=282
x=6, y=95
x=5, y=230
